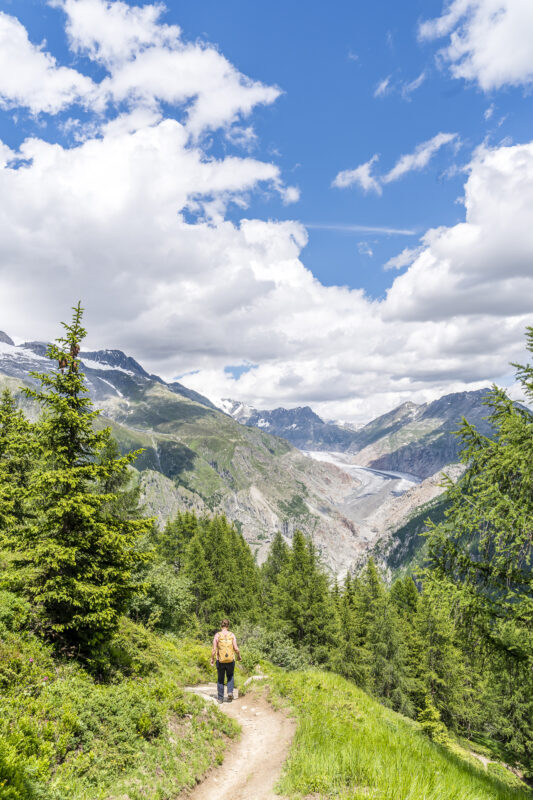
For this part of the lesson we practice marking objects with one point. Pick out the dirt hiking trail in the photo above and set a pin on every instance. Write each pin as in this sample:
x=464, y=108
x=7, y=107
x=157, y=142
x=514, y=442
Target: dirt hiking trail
x=252, y=765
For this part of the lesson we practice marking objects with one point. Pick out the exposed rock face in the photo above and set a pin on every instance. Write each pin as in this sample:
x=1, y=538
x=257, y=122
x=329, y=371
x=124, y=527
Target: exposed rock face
x=399, y=525
x=197, y=457
x=422, y=439
x=5, y=339
x=299, y=426
x=418, y=439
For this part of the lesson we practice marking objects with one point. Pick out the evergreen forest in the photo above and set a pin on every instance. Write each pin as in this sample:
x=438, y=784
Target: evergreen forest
x=97, y=600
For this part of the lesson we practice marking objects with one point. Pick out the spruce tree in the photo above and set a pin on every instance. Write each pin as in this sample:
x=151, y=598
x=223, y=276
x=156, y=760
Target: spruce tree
x=201, y=579
x=388, y=669
x=276, y=561
x=76, y=555
x=172, y=541
x=351, y=656
x=18, y=453
x=302, y=602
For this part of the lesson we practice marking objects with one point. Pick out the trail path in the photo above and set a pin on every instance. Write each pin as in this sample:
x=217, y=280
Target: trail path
x=253, y=764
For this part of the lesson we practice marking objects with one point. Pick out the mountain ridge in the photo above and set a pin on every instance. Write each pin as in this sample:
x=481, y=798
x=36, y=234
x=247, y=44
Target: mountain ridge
x=206, y=460
x=199, y=457
x=413, y=438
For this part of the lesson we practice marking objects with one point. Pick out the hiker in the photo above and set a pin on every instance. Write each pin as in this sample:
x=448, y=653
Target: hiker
x=224, y=650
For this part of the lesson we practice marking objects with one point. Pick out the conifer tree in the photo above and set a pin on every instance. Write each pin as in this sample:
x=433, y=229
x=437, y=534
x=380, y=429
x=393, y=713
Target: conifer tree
x=75, y=554
x=351, y=657
x=276, y=561
x=172, y=541
x=201, y=578
x=389, y=677
x=442, y=666
x=302, y=601
x=485, y=546
x=17, y=461
x=481, y=560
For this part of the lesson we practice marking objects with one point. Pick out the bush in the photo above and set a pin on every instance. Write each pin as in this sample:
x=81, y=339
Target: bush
x=274, y=646
x=430, y=721
x=15, y=783
x=14, y=611
x=167, y=602
x=505, y=776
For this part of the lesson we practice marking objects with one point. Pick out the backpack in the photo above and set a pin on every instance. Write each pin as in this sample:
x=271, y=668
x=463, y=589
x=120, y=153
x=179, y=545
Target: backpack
x=225, y=649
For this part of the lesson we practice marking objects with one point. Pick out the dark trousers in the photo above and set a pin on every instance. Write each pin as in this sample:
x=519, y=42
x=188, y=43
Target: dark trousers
x=222, y=671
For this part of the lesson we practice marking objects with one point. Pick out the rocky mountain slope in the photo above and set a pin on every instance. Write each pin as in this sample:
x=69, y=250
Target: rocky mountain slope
x=299, y=426
x=195, y=456
x=420, y=439
x=347, y=497
x=416, y=439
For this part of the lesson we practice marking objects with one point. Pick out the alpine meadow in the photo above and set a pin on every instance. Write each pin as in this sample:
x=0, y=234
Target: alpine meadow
x=266, y=489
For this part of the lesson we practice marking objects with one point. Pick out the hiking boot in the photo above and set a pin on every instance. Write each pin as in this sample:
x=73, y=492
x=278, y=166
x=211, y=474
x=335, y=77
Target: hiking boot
x=230, y=698
x=220, y=699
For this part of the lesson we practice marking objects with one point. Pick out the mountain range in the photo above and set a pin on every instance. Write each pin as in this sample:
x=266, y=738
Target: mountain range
x=195, y=456
x=249, y=465
x=416, y=439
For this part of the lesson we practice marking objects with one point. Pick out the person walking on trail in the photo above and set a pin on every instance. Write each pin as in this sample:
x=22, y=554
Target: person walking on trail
x=224, y=650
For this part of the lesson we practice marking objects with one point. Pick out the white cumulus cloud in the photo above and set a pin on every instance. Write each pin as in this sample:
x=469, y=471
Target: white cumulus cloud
x=489, y=41
x=30, y=77
x=133, y=219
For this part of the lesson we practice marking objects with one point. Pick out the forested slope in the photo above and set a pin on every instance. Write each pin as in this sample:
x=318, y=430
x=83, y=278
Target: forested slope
x=105, y=615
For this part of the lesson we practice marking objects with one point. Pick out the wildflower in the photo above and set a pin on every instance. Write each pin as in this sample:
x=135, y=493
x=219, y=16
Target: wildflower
x=45, y=678
x=31, y=660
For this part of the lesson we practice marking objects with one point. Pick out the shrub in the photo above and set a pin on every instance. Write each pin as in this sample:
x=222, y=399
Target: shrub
x=431, y=723
x=14, y=611
x=167, y=602
x=274, y=646
x=505, y=775
x=15, y=783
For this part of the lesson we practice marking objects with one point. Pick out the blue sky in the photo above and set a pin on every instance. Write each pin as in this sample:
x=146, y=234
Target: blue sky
x=328, y=64
x=356, y=82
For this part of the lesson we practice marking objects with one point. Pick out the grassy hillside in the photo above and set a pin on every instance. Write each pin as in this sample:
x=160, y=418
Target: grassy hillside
x=350, y=747
x=68, y=735
x=134, y=733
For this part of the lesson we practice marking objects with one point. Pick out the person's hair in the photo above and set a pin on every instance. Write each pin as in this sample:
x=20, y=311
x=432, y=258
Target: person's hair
x=224, y=623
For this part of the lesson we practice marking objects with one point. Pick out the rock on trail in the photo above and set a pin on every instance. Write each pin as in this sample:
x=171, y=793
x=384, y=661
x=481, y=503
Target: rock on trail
x=253, y=764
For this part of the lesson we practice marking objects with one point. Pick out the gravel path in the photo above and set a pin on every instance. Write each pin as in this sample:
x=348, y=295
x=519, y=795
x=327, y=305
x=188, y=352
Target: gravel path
x=253, y=764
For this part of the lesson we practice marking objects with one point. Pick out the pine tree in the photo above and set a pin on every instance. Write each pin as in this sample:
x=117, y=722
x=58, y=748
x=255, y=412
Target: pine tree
x=276, y=562
x=201, y=579
x=442, y=670
x=76, y=555
x=18, y=453
x=389, y=676
x=351, y=656
x=481, y=561
x=172, y=541
x=429, y=718
x=302, y=602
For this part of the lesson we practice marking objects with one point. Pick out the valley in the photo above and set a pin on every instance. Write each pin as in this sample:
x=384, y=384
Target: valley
x=268, y=471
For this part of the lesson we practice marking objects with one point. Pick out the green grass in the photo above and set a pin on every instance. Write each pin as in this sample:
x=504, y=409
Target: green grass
x=348, y=746
x=66, y=736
